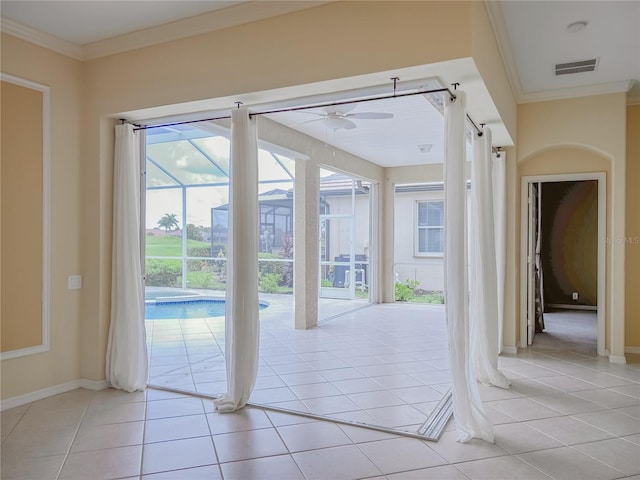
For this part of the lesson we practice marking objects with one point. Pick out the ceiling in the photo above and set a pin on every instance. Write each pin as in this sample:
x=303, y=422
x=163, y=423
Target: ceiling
x=532, y=37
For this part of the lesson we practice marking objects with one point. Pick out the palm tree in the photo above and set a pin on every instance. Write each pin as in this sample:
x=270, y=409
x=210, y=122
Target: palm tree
x=169, y=222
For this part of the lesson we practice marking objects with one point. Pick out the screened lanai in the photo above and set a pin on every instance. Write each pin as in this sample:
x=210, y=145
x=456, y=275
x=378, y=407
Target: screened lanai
x=186, y=209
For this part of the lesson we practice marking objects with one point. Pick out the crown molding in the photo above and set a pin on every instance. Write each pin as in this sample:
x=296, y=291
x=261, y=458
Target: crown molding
x=633, y=95
x=207, y=22
x=232, y=16
x=41, y=39
x=494, y=9
x=574, y=92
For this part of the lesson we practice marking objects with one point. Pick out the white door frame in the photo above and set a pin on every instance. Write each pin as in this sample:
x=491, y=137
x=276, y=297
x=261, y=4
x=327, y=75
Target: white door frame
x=601, y=178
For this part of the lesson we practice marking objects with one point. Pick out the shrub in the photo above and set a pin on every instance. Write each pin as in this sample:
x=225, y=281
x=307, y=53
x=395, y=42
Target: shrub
x=405, y=292
x=435, y=297
x=162, y=273
x=199, y=251
x=269, y=282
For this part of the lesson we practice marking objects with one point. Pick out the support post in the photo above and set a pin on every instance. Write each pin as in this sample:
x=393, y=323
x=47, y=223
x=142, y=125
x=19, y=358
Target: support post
x=306, y=261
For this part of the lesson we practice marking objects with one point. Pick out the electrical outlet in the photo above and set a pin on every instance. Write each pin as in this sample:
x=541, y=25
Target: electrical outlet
x=74, y=282
x=575, y=295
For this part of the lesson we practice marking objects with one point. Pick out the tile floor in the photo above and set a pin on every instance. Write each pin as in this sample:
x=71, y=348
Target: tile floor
x=569, y=415
x=383, y=365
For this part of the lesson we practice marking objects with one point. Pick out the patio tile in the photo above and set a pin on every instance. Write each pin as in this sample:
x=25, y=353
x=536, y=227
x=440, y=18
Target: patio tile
x=314, y=390
x=312, y=436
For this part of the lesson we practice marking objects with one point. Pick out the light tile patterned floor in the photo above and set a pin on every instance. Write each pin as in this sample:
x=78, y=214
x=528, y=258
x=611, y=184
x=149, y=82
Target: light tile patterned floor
x=543, y=430
x=383, y=365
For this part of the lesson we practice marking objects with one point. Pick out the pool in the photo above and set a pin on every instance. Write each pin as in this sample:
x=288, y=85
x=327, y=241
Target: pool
x=194, y=307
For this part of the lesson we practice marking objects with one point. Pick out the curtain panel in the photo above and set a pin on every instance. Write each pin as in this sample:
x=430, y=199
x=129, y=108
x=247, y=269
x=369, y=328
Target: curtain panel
x=483, y=315
x=127, y=367
x=242, y=327
x=471, y=422
x=499, y=177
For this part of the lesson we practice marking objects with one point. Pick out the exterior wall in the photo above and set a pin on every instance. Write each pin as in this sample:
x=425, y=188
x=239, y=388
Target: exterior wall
x=569, y=136
x=428, y=270
x=63, y=75
x=632, y=234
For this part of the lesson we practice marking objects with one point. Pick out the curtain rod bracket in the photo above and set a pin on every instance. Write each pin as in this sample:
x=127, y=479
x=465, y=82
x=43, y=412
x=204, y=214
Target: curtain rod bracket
x=395, y=84
x=238, y=104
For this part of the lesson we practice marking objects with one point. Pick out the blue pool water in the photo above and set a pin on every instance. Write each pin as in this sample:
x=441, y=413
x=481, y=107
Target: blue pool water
x=186, y=309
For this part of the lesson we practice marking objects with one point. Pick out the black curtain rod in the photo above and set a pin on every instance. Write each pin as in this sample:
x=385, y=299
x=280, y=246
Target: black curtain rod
x=186, y=122
x=295, y=109
x=347, y=102
x=480, y=133
x=319, y=105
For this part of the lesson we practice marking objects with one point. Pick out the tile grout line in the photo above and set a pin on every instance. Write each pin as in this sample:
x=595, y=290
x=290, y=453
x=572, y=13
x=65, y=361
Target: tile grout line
x=75, y=436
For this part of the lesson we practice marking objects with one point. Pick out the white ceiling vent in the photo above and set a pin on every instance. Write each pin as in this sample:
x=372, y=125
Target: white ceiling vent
x=576, y=67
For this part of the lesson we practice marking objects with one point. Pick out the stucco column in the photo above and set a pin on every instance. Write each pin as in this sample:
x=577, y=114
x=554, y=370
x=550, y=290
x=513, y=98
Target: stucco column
x=306, y=206
x=387, y=236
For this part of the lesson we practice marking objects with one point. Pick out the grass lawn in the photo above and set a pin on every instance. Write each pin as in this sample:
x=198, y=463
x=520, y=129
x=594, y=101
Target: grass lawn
x=169, y=246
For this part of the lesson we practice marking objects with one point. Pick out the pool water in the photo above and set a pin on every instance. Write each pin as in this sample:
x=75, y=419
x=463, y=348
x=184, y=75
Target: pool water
x=186, y=309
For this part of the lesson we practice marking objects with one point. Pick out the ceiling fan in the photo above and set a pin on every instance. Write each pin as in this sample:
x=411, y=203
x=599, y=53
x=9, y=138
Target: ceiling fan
x=339, y=116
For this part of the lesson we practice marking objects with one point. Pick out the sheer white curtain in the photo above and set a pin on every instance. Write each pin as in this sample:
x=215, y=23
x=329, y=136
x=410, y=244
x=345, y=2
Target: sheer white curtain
x=127, y=367
x=499, y=173
x=467, y=408
x=483, y=315
x=242, y=332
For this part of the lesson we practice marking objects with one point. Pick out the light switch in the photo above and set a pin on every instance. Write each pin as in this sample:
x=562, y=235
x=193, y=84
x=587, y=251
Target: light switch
x=75, y=282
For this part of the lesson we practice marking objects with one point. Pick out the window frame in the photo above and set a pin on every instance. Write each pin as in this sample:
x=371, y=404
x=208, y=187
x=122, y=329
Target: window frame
x=418, y=227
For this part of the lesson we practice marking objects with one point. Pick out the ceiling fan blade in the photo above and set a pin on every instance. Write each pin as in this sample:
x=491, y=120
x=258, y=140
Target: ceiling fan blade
x=337, y=122
x=312, y=120
x=370, y=115
x=339, y=109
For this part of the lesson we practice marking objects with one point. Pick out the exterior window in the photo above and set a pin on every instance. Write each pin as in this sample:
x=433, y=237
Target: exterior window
x=429, y=228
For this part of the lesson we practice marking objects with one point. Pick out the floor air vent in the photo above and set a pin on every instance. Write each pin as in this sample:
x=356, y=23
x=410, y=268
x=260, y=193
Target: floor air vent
x=576, y=67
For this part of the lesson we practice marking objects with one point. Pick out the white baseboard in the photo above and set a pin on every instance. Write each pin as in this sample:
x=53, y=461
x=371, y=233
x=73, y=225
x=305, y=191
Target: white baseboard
x=617, y=359
x=93, y=384
x=632, y=349
x=510, y=350
x=50, y=391
x=571, y=307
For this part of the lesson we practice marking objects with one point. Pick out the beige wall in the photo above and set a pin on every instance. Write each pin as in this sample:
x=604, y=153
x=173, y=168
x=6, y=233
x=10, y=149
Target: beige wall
x=581, y=135
x=632, y=235
x=21, y=166
x=64, y=77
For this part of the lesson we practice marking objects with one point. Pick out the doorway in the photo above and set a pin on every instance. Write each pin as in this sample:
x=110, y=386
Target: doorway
x=553, y=229
x=345, y=243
